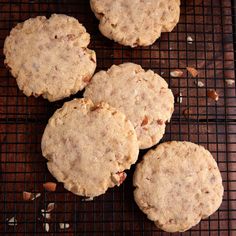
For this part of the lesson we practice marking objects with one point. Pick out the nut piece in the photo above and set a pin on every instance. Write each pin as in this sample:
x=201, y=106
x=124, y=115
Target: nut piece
x=12, y=221
x=199, y=83
x=64, y=225
x=46, y=227
x=50, y=186
x=27, y=196
x=179, y=98
x=118, y=178
x=46, y=214
x=213, y=94
x=230, y=82
x=50, y=206
x=176, y=73
x=192, y=71
x=189, y=40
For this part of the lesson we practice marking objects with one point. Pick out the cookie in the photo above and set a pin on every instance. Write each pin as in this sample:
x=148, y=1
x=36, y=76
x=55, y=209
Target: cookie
x=177, y=185
x=49, y=57
x=89, y=146
x=137, y=22
x=142, y=95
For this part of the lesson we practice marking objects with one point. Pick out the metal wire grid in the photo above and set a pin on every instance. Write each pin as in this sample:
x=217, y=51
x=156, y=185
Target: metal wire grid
x=211, y=24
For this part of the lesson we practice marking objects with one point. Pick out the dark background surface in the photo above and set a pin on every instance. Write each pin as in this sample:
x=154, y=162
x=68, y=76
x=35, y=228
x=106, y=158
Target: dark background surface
x=22, y=121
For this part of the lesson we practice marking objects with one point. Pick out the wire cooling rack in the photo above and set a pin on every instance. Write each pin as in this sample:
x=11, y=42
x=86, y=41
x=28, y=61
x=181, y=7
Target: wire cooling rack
x=211, y=24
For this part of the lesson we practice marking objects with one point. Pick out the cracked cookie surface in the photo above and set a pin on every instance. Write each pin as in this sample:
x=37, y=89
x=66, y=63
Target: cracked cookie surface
x=88, y=147
x=178, y=184
x=142, y=95
x=136, y=22
x=49, y=57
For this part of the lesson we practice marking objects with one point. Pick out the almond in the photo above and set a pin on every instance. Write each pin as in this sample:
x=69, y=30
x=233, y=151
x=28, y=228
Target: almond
x=213, y=94
x=176, y=73
x=50, y=186
x=192, y=71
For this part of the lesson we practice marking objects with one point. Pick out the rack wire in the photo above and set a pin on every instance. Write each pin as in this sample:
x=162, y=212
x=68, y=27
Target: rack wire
x=212, y=25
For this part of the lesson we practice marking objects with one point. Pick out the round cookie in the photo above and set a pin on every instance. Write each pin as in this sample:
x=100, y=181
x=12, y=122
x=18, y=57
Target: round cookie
x=49, y=57
x=137, y=22
x=89, y=146
x=177, y=185
x=142, y=95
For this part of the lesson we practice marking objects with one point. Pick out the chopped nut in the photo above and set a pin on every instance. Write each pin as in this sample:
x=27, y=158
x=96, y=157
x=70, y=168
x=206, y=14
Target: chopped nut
x=46, y=227
x=199, y=83
x=50, y=206
x=192, y=71
x=64, y=225
x=187, y=112
x=162, y=72
x=35, y=195
x=122, y=176
x=118, y=178
x=230, y=82
x=145, y=121
x=50, y=186
x=176, y=73
x=27, y=196
x=46, y=214
x=179, y=97
x=12, y=221
x=88, y=199
x=213, y=94
x=189, y=40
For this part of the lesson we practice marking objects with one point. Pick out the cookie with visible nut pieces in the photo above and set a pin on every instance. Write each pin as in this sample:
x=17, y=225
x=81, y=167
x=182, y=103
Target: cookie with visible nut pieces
x=49, y=57
x=89, y=147
x=177, y=185
x=142, y=95
x=136, y=22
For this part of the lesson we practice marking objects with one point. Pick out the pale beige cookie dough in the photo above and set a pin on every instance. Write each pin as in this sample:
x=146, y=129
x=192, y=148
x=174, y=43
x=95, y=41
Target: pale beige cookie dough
x=177, y=185
x=49, y=57
x=89, y=147
x=136, y=22
x=142, y=95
